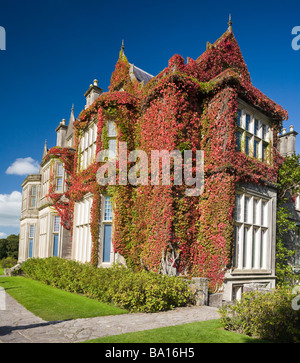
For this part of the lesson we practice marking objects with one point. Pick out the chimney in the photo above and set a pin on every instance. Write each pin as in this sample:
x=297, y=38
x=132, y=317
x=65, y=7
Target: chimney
x=92, y=93
x=61, y=133
x=287, y=142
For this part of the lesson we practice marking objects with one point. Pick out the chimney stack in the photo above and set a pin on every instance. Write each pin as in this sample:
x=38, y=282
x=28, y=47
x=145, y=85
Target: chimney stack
x=92, y=93
x=287, y=142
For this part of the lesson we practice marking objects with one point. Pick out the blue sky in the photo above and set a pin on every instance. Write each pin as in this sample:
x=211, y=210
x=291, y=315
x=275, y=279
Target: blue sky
x=54, y=50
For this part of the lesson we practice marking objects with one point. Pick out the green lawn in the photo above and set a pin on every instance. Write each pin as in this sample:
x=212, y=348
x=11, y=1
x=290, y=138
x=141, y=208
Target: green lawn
x=210, y=331
x=52, y=304
x=1, y=271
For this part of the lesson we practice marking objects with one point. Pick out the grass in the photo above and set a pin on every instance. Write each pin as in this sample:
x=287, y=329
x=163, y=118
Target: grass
x=52, y=304
x=1, y=271
x=210, y=331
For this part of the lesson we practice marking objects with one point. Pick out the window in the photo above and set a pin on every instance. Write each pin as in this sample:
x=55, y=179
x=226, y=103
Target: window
x=247, y=144
x=56, y=224
x=252, y=241
x=31, y=240
x=43, y=251
x=239, y=115
x=256, y=148
x=112, y=139
x=107, y=210
x=253, y=135
x=24, y=199
x=33, y=196
x=247, y=122
x=256, y=127
x=107, y=230
x=87, y=147
x=82, y=233
x=59, y=177
x=45, y=180
x=238, y=140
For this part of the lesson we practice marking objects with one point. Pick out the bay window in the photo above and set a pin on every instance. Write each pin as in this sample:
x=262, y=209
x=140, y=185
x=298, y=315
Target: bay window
x=252, y=232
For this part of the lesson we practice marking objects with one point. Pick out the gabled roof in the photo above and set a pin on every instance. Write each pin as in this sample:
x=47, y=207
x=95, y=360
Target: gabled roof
x=222, y=54
x=141, y=75
x=126, y=74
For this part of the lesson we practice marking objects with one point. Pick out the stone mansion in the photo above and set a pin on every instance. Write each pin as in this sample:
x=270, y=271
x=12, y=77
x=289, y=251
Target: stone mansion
x=227, y=234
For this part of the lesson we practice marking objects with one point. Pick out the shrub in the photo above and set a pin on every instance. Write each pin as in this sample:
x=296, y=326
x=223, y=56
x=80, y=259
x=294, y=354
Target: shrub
x=8, y=262
x=135, y=291
x=268, y=315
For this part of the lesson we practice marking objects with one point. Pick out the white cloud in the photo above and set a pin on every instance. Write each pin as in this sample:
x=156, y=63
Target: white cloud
x=23, y=166
x=10, y=209
x=3, y=235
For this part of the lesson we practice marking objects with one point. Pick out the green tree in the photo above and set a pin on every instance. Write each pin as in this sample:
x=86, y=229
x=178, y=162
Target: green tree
x=3, y=249
x=288, y=186
x=9, y=247
x=13, y=246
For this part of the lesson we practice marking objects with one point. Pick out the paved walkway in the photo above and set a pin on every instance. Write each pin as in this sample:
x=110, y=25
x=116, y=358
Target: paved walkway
x=18, y=325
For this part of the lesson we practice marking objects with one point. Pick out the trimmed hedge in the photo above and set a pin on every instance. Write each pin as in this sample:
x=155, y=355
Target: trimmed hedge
x=134, y=291
x=268, y=315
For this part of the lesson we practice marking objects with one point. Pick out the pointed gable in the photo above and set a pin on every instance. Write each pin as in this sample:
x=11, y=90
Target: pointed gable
x=126, y=76
x=70, y=131
x=45, y=151
x=222, y=54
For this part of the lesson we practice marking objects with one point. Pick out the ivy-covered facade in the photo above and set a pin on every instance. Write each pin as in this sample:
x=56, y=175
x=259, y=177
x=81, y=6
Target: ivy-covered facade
x=226, y=234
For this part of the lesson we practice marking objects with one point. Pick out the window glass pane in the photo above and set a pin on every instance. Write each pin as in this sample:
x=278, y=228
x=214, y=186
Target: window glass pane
x=236, y=245
x=247, y=122
x=59, y=170
x=107, y=243
x=91, y=138
x=245, y=246
x=238, y=141
x=238, y=207
x=264, y=151
x=265, y=131
x=254, y=246
x=262, y=247
x=95, y=133
x=33, y=202
x=56, y=224
x=264, y=213
x=108, y=209
x=55, y=245
x=247, y=144
x=59, y=184
x=256, y=211
x=239, y=114
x=31, y=231
x=112, y=146
x=30, y=254
x=256, y=127
x=256, y=148
x=246, y=209
x=112, y=132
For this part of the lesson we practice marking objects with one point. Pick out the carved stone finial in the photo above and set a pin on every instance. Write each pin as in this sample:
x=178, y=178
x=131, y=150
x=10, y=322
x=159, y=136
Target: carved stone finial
x=230, y=24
